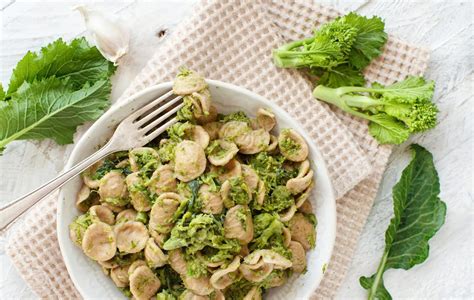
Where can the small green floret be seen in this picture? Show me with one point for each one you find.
(235, 116)
(280, 199)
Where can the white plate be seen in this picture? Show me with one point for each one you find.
(87, 274)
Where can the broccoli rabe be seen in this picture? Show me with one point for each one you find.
(338, 51)
(394, 111)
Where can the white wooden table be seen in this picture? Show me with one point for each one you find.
(443, 27)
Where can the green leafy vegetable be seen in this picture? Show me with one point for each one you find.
(419, 214)
(338, 51)
(394, 111)
(52, 92)
(280, 199)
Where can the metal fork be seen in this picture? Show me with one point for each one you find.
(136, 130)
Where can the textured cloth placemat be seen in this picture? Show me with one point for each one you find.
(232, 41)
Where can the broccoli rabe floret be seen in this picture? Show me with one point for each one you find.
(394, 111)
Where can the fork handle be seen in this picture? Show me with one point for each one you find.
(14, 209)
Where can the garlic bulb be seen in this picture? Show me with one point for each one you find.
(110, 38)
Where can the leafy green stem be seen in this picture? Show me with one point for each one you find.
(378, 276)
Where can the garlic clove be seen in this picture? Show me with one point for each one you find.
(110, 37)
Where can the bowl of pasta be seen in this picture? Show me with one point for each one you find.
(232, 202)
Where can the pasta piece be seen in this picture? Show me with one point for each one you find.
(101, 213)
(302, 199)
(261, 192)
(114, 208)
(225, 277)
(190, 161)
(273, 145)
(238, 224)
(305, 207)
(139, 157)
(235, 191)
(135, 265)
(87, 176)
(253, 294)
(99, 242)
(109, 264)
(176, 261)
(302, 180)
(286, 215)
(292, 145)
(197, 134)
(250, 177)
(189, 295)
(113, 190)
(138, 195)
(144, 283)
(163, 180)
(86, 198)
(212, 129)
(159, 238)
(198, 285)
(302, 231)
(131, 236)
(286, 237)
(253, 141)
(266, 119)
(268, 257)
(220, 152)
(161, 215)
(119, 276)
(276, 279)
(211, 201)
(188, 82)
(126, 215)
(204, 118)
(232, 169)
(154, 256)
(232, 129)
(255, 272)
(298, 257)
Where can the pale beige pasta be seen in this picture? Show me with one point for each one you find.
(266, 119)
(197, 134)
(302, 198)
(163, 180)
(255, 272)
(126, 215)
(176, 261)
(102, 213)
(212, 129)
(135, 265)
(253, 294)
(232, 129)
(131, 236)
(99, 242)
(298, 257)
(198, 285)
(232, 169)
(190, 161)
(112, 189)
(224, 277)
(222, 153)
(143, 283)
(302, 181)
(287, 214)
(161, 214)
(154, 256)
(269, 257)
(86, 198)
(138, 196)
(302, 231)
(211, 201)
(292, 145)
(238, 224)
(188, 82)
(253, 141)
(140, 156)
(119, 276)
(273, 144)
(92, 183)
(260, 195)
(250, 177)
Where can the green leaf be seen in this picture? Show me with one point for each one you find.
(388, 130)
(51, 108)
(77, 61)
(369, 40)
(343, 75)
(2, 93)
(410, 90)
(418, 215)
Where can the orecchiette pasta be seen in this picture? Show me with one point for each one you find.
(131, 236)
(292, 145)
(266, 119)
(190, 161)
(143, 283)
(99, 242)
(217, 207)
